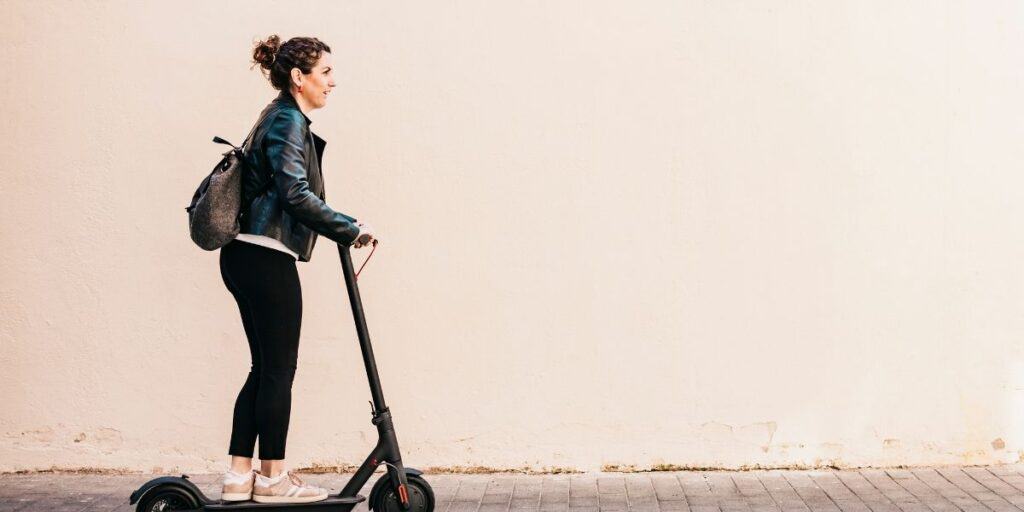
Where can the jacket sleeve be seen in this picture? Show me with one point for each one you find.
(284, 147)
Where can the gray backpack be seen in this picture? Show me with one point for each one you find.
(216, 204)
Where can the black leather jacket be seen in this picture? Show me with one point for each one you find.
(291, 208)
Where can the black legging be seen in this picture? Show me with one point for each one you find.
(265, 285)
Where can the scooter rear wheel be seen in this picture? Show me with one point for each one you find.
(167, 498)
(421, 497)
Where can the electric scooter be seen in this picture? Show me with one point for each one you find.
(400, 489)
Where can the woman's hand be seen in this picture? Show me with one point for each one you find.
(365, 237)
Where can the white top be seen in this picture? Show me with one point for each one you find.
(266, 241)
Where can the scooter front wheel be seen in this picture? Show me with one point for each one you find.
(421, 496)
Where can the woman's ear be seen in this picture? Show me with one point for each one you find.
(296, 77)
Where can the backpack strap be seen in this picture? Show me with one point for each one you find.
(245, 141)
(241, 154)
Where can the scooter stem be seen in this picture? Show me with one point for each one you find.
(364, 336)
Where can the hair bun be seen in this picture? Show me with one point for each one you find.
(264, 52)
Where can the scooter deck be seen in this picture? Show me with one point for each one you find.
(333, 503)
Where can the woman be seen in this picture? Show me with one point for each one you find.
(286, 211)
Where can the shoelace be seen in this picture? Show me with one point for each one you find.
(299, 482)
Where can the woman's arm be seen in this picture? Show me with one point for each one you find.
(285, 146)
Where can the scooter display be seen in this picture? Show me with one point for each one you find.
(400, 489)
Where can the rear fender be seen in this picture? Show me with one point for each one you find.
(181, 481)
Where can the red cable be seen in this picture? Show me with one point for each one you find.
(374, 248)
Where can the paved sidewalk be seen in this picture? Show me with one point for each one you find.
(938, 489)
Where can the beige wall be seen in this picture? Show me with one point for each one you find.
(613, 233)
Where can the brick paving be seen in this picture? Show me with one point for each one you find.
(935, 489)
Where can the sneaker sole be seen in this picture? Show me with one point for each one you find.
(236, 496)
(288, 499)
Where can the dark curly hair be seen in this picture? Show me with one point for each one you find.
(276, 60)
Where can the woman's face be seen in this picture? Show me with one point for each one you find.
(317, 84)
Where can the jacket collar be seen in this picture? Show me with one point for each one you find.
(286, 98)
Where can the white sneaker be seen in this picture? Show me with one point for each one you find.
(238, 486)
(285, 488)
